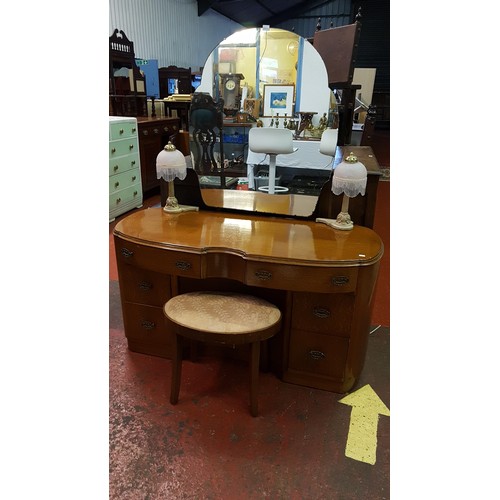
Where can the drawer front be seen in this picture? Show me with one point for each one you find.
(157, 259)
(122, 130)
(302, 278)
(124, 163)
(144, 287)
(330, 314)
(154, 130)
(131, 195)
(313, 353)
(146, 324)
(124, 180)
(123, 147)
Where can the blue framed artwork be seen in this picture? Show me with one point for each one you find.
(278, 99)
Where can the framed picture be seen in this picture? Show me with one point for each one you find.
(278, 99)
(252, 107)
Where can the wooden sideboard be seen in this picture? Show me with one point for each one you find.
(322, 280)
(154, 134)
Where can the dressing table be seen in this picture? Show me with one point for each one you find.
(322, 280)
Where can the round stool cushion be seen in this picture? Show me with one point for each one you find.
(222, 312)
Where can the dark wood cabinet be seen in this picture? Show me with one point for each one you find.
(154, 134)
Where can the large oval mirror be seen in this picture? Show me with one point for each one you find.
(271, 78)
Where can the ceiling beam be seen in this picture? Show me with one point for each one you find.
(204, 5)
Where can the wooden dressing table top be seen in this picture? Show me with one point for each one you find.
(253, 237)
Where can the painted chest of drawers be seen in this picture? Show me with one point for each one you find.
(125, 186)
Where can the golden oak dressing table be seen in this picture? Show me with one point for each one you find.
(321, 279)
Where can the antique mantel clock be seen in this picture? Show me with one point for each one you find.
(231, 88)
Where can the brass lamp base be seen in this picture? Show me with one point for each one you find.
(342, 222)
(172, 206)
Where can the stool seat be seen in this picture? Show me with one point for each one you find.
(224, 318)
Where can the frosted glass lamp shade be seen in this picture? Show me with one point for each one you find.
(170, 164)
(328, 144)
(350, 177)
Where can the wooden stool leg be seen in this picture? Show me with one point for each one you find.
(254, 377)
(176, 368)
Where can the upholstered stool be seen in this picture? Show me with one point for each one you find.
(221, 318)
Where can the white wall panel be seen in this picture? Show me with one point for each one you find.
(170, 30)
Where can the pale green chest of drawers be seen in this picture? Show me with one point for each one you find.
(125, 186)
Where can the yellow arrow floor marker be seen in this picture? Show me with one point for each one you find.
(362, 438)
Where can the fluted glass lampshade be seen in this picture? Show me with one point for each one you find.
(171, 164)
(349, 178)
(328, 144)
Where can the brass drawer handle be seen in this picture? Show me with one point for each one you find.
(155, 130)
(118, 200)
(321, 312)
(148, 325)
(182, 265)
(263, 275)
(121, 131)
(133, 130)
(317, 355)
(127, 253)
(145, 285)
(134, 178)
(115, 168)
(340, 280)
(145, 132)
(132, 162)
(131, 146)
(117, 184)
(113, 150)
(135, 193)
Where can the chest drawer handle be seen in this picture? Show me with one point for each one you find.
(132, 162)
(145, 285)
(127, 253)
(145, 132)
(115, 168)
(113, 150)
(317, 355)
(118, 200)
(321, 312)
(131, 146)
(121, 131)
(134, 178)
(156, 131)
(148, 325)
(117, 184)
(182, 265)
(263, 275)
(340, 280)
(133, 130)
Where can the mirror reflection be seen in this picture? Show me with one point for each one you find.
(262, 78)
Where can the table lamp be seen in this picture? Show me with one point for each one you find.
(271, 141)
(171, 164)
(349, 179)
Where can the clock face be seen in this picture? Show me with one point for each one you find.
(230, 85)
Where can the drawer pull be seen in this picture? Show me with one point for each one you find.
(117, 184)
(182, 265)
(118, 200)
(321, 312)
(135, 193)
(155, 130)
(263, 275)
(134, 178)
(127, 253)
(131, 146)
(148, 325)
(145, 285)
(121, 131)
(317, 355)
(113, 150)
(133, 130)
(132, 162)
(115, 168)
(145, 132)
(340, 280)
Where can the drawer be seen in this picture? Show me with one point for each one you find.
(158, 259)
(146, 324)
(124, 180)
(123, 147)
(313, 353)
(130, 195)
(124, 163)
(122, 130)
(330, 314)
(144, 287)
(302, 278)
(158, 129)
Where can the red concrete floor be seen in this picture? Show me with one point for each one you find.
(209, 447)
